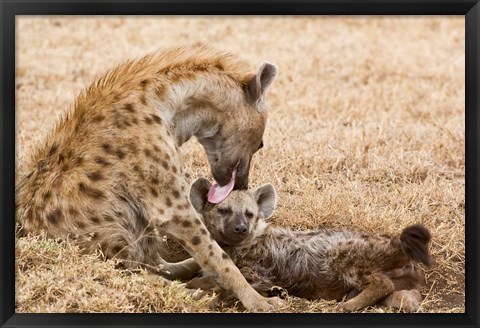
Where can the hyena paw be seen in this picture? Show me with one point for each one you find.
(196, 294)
(405, 300)
(411, 306)
(263, 304)
(276, 302)
(349, 306)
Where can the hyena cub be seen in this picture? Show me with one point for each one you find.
(331, 264)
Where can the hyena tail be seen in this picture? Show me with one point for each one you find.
(414, 241)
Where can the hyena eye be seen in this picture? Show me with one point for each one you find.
(249, 214)
(224, 211)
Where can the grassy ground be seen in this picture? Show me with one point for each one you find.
(366, 131)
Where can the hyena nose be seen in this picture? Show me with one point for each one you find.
(240, 228)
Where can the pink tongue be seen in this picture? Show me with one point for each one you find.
(216, 194)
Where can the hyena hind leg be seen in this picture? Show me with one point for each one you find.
(132, 254)
(376, 287)
(183, 271)
(206, 283)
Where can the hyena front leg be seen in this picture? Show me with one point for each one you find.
(190, 231)
(375, 287)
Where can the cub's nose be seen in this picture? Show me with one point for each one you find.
(240, 229)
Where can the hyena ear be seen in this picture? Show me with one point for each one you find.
(266, 198)
(199, 194)
(260, 82)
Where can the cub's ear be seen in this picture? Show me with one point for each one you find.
(260, 82)
(199, 194)
(266, 198)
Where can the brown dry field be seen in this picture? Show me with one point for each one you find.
(366, 131)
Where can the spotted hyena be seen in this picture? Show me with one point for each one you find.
(326, 263)
(110, 174)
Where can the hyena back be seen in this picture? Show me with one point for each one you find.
(110, 174)
(325, 263)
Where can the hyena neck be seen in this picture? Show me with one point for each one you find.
(188, 108)
(193, 121)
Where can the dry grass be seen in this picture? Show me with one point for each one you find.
(366, 131)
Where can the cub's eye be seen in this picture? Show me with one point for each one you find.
(249, 214)
(224, 211)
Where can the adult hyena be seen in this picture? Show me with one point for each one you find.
(110, 173)
(326, 263)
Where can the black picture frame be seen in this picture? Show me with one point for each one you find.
(9, 9)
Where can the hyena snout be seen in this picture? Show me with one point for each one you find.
(240, 229)
(222, 171)
(241, 182)
(237, 229)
